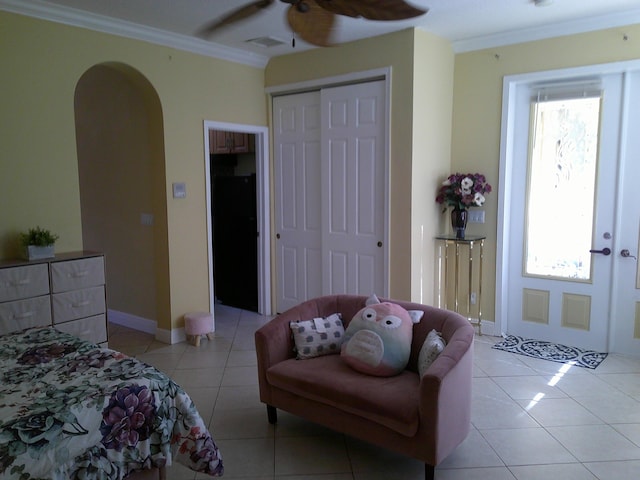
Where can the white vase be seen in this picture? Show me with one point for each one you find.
(34, 252)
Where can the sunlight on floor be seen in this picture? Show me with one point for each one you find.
(531, 418)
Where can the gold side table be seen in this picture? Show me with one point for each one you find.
(451, 261)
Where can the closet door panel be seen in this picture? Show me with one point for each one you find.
(366, 272)
(353, 146)
(338, 188)
(330, 192)
(297, 190)
(366, 197)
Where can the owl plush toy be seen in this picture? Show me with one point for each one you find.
(378, 338)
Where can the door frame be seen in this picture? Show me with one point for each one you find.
(383, 74)
(262, 208)
(507, 134)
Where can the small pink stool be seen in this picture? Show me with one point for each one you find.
(197, 324)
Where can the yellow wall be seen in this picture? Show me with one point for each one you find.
(433, 97)
(414, 112)
(477, 105)
(42, 63)
(114, 135)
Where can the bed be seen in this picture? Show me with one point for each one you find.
(72, 410)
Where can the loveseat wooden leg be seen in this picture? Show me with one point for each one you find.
(272, 414)
(429, 472)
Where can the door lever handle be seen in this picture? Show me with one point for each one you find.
(604, 251)
(626, 254)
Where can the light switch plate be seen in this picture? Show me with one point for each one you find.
(476, 216)
(146, 219)
(179, 190)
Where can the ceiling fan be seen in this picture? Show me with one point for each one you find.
(313, 20)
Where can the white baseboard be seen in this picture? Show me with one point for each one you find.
(148, 326)
(132, 321)
(176, 335)
(489, 328)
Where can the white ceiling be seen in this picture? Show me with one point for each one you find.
(468, 24)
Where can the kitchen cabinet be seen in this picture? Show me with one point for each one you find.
(221, 142)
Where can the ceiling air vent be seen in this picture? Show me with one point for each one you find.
(266, 41)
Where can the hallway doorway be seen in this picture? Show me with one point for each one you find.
(234, 218)
(121, 170)
(236, 164)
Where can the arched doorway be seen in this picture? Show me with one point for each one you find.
(119, 137)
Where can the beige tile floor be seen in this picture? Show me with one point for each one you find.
(532, 419)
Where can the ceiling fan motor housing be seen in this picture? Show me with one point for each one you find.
(314, 20)
(301, 5)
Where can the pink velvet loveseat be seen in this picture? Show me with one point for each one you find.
(424, 418)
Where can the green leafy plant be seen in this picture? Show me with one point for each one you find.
(37, 236)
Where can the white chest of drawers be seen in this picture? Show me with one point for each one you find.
(24, 297)
(66, 292)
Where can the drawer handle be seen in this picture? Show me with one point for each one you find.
(20, 316)
(81, 304)
(84, 273)
(21, 283)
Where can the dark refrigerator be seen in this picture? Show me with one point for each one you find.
(235, 241)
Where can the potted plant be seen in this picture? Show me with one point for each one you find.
(38, 243)
(462, 191)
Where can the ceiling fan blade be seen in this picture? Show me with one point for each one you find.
(372, 9)
(236, 15)
(312, 24)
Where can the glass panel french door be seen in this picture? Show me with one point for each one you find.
(563, 199)
(625, 312)
(562, 174)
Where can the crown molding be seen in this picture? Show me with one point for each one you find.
(122, 28)
(74, 17)
(571, 27)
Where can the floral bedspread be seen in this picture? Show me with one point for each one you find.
(71, 410)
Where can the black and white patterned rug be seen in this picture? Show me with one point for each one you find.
(551, 351)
